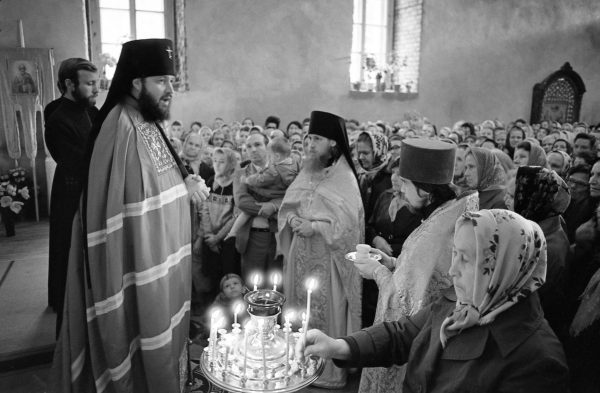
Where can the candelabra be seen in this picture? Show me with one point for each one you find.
(260, 357)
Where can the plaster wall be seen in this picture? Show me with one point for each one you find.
(480, 59)
(58, 24)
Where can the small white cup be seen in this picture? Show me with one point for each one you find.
(363, 250)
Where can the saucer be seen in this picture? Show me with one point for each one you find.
(352, 256)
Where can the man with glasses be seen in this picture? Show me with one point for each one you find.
(395, 143)
(580, 209)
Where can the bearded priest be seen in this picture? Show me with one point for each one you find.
(320, 220)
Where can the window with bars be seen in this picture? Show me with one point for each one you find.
(386, 44)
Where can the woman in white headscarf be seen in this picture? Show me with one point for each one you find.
(488, 334)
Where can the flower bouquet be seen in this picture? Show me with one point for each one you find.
(13, 195)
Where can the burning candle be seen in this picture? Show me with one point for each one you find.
(311, 284)
(236, 310)
(275, 277)
(215, 321)
(256, 280)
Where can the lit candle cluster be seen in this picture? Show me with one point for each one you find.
(261, 355)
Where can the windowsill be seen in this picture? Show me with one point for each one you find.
(386, 95)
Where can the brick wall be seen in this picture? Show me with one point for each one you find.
(408, 15)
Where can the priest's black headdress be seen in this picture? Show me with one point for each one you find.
(139, 59)
(332, 127)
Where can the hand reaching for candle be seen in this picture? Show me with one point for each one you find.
(320, 344)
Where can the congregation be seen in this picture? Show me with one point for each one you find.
(548, 173)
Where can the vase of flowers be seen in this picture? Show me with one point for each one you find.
(13, 195)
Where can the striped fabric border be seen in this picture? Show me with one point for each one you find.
(146, 344)
(137, 278)
(151, 343)
(77, 365)
(136, 209)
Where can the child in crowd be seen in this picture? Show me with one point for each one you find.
(277, 176)
(232, 291)
(217, 255)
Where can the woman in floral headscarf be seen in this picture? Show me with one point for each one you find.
(560, 162)
(487, 334)
(484, 173)
(542, 196)
(374, 178)
(373, 174)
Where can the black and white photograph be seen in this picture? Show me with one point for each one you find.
(277, 196)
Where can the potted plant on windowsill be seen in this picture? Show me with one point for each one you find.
(13, 195)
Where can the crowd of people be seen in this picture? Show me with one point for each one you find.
(487, 235)
(548, 173)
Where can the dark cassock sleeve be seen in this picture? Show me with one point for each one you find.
(66, 143)
(384, 344)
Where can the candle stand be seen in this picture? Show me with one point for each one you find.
(260, 357)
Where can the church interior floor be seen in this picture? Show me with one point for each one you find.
(27, 324)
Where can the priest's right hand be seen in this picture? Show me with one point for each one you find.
(319, 344)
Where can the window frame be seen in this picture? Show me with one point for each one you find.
(95, 32)
(394, 10)
(390, 28)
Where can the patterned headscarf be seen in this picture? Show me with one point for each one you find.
(510, 264)
(540, 193)
(490, 174)
(537, 155)
(380, 145)
(566, 162)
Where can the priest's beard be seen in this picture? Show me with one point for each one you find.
(150, 107)
(313, 163)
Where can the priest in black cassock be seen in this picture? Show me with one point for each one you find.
(67, 134)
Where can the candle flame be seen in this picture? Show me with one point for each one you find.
(289, 315)
(303, 316)
(216, 313)
(275, 277)
(219, 322)
(311, 284)
(256, 279)
(238, 308)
